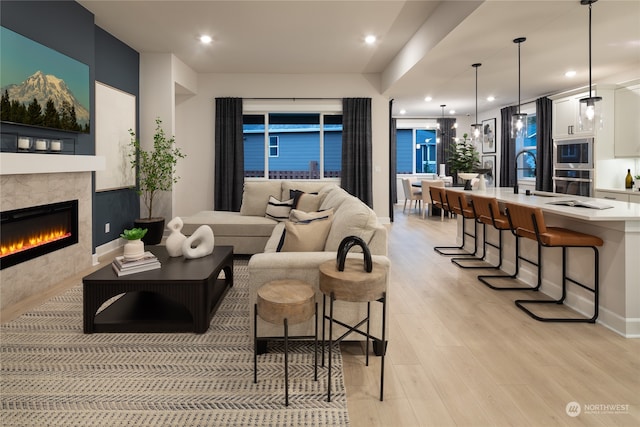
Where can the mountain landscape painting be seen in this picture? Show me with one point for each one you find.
(42, 87)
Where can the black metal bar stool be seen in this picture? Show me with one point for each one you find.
(488, 212)
(440, 199)
(529, 223)
(353, 284)
(285, 302)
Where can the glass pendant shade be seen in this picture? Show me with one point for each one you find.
(518, 125)
(590, 117)
(476, 132)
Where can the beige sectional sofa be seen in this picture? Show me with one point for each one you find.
(251, 232)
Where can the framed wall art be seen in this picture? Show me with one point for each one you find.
(489, 162)
(42, 87)
(489, 136)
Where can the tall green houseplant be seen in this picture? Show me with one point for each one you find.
(155, 172)
(155, 168)
(463, 157)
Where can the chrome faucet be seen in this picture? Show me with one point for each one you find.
(535, 165)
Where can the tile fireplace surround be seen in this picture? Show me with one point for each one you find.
(21, 189)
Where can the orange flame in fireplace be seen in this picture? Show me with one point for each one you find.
(32, 241)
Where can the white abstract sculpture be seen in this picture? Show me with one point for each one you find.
(199, 244)
(176, 238)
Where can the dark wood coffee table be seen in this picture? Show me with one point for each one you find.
(181, 296)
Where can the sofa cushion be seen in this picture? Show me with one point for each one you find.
(334, 198)
(352, 218)
(305, 236)
(225, 223)
(301, 216)
(256, 194)
(278, 210)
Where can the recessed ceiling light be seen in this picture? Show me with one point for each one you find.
(570, 73)
(491, 98)
(206, 39)
(370, 39)
(428, 99)
(403, 111)
(452, 111)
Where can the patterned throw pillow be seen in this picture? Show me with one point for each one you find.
(278, 210)
(307, 235)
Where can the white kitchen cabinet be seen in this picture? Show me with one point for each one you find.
(610, 195)
(622, 196)
(566, 112)
(627, 121)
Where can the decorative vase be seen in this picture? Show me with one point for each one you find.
(133, 250)
(199, 244)
(176, 238)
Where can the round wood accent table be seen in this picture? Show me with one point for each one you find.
(285, 302)
(353, 284)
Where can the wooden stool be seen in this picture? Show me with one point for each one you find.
(353, 285)
(286, 302)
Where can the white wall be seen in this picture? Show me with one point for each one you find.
(195, 119)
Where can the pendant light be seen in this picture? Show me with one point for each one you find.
(518, 120)
(476, 128)
(589, 107)
(441, 126)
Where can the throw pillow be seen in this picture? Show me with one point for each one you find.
(302, 216)
(307, 202)
(307, 236)
(278, 210)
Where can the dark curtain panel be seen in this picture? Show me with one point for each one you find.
(507, 149)
(229, 151)
(544, 162)
(356, 148)
(393, 192)
(447, 134)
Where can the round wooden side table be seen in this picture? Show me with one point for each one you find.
(353, 285)
(285, 302)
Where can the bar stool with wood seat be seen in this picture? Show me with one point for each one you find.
(347, 280)
(488, 212)
(459, 204)
(529, 223)
(285, 302)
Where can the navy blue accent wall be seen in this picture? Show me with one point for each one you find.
(69, 28)
(118, 66)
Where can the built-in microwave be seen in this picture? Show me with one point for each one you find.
(573, 154)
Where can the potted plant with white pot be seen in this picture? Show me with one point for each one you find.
(155, 172)
(134, 248)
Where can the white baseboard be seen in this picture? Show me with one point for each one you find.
(106, 248)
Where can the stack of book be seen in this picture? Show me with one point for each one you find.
(122, 266)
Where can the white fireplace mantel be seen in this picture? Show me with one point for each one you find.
(27, 163)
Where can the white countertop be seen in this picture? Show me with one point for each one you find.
(620, 211)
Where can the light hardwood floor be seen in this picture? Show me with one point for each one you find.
(463, 354)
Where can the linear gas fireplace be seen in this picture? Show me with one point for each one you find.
(32, 232)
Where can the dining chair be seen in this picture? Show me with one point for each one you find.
(410, 195)
(426, 195)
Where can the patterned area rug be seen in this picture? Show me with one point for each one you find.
(54, 375)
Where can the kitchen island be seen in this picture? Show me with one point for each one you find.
(618, 226)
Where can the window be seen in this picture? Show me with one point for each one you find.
(292, 145)
(415, 149)
(273, 146)
(527, 162)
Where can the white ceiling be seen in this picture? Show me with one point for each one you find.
(423, 48)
